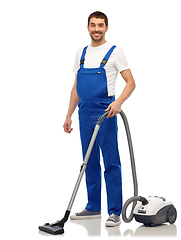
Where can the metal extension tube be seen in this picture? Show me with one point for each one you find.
(83, 167)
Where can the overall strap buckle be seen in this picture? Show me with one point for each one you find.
(82, 59)
(105, 59)
(104, 62)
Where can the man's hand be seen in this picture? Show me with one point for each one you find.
(67, 125)
(115, 108)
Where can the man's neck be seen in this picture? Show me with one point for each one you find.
(97, 43)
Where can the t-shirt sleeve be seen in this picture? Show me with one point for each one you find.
(77, 60)
(121, 62)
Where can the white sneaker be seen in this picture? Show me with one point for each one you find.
(85, 214)
(113, 220)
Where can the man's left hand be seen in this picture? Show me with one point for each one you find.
(115, 108)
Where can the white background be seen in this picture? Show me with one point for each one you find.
(39, 162)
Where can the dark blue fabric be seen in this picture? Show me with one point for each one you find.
(91, 83)
(94, 99)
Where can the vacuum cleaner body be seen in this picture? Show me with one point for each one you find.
(157, 211)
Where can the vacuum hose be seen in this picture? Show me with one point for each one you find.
(133, 167)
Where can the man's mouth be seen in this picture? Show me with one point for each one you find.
(96, 34)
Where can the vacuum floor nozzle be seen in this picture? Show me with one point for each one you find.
(52, 229)
(57, 227)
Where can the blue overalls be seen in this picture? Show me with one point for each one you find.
(94, 99)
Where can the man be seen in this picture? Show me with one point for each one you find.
(96, 68)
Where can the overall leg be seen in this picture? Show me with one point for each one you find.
(109, 146)
(93, 170)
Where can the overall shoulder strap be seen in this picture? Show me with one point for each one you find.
(105, 59)
(82, 59)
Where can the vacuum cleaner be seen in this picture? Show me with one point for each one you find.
(151, 211)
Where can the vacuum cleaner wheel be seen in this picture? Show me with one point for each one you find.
(171, 215)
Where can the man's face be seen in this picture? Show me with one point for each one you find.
(97, 29)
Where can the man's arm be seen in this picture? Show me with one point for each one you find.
(74, 99)
(115, 107)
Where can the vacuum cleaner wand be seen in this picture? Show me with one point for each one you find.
(57, 227)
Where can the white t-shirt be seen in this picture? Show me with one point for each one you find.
(94, 56)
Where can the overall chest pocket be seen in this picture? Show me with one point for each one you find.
(91, 83)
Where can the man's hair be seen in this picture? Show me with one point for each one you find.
(98, 14)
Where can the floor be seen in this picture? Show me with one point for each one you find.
(32, 196)
(96, 228)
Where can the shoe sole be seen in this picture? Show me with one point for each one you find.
(74, 217)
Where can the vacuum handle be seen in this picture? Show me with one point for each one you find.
(101, 118)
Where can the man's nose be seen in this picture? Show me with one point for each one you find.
(97, 28)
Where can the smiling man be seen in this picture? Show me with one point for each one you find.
(97, 29)
(96, 68)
